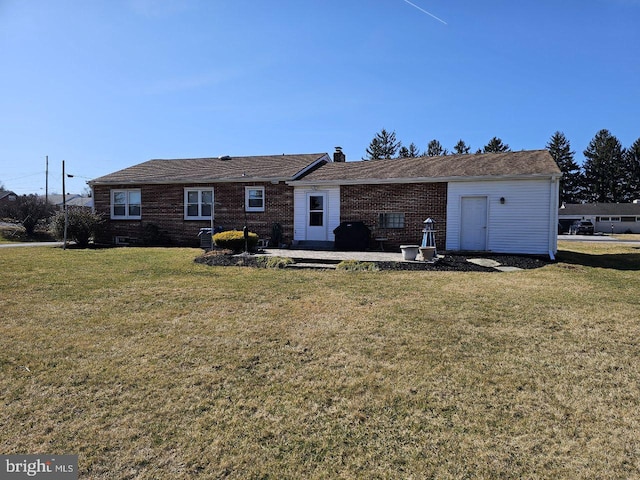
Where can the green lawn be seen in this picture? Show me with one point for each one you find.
(148, 365)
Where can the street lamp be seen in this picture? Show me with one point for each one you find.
(64, 207)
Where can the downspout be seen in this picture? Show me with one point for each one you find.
(553, 216)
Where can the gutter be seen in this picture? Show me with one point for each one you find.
(387, 181)
(199, 181)
(554, 192)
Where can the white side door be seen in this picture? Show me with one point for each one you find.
(473, 228)
(316, 216)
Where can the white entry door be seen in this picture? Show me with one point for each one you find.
(473, 231)
(316, 216)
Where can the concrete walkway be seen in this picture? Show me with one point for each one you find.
(331, 255)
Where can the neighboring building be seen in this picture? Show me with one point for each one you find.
(7, 197)
(72, 200)
(606, 217)
(505, 202)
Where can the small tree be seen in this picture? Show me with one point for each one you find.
(461, 148)
(495, 145)
(383, 145)
(82, 225)
(435, 149)
(410, 152)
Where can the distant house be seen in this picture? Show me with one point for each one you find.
(505, 202)
(7, 197)
(72, 200)
(606, 217)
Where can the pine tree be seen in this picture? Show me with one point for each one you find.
(572, 180)
(605, 178)
(495, 145)
(383, 145)
(632, 166)
(434, 149)
(410, 152)
(461, 148)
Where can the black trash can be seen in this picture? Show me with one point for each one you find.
(352, 236)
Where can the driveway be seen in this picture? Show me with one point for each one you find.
(596, 238)
(31, 244)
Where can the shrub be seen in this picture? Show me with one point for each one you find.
(28, 210)
(234, 240)
(152, 236)
(82, 225)
(357, 266)
(273, 262)
(13, 232)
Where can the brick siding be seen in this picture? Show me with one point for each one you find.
(417, 201)
(163, 206)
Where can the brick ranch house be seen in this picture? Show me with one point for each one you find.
(502, 202)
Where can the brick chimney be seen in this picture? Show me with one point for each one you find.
(338, 156)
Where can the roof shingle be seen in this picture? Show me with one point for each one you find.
(200, 170)
(524, 163)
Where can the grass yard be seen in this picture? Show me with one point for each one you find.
(149, 366)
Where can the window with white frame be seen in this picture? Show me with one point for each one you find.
(198, 203)
(126, 204)
(254, 199)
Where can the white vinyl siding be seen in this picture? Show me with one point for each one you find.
(519, 225)
(332, 211)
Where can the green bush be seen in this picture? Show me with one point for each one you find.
(82, 225)
(357, 266)
(273, 262)
(152, 236)
(234, 240)
(28, 210)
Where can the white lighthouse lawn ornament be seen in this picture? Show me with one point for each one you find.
(428, 247)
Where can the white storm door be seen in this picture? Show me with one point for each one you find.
(316, 216)
(473, 228)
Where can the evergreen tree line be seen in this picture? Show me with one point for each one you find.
(609, 174)
(385, 146)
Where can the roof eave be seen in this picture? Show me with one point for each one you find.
(387, 181)
(191, 181)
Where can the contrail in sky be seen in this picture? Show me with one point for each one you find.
(424, 11)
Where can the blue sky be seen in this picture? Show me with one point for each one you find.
(108, 84)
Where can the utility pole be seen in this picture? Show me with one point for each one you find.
(64, 209)
(46, 182)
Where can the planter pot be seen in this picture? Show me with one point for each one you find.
(427, 253)
(409, 252)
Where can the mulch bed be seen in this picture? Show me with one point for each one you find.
(451, 263)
